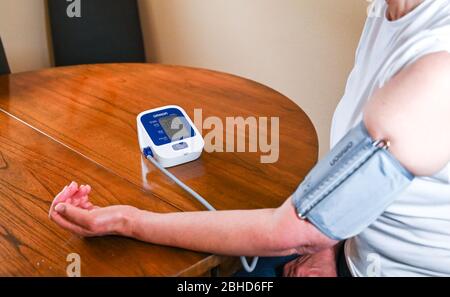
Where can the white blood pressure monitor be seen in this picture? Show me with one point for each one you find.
(170, 134)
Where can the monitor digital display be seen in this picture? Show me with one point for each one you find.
(176, 127)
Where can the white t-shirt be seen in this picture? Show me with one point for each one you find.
(412, 237)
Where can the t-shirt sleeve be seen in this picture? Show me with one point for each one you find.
(428, 41)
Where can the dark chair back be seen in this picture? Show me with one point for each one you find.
(108, 31)
(4, 66)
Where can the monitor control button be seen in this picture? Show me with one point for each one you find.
(180, 146)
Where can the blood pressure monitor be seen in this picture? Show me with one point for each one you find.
(170, 134)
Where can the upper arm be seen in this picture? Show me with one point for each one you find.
(412, 111)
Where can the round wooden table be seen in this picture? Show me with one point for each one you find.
(79, 123)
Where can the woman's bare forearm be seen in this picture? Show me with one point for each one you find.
(241, 232)
(265, 232)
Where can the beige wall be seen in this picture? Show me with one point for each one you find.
(302, 48)
(24, 33)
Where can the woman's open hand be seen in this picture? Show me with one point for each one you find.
(72, 210)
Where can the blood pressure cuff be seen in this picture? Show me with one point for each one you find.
(352, 186)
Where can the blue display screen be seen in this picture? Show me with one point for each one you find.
(166, 126)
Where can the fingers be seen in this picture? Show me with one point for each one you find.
(71, 209)
(75, 215)
(89, 206)
(82, 192)
(65, 224)
(57, 198)
(288, 269)
(294, 268)
(72, 194)
(71, 189)
(81, 198)
(67, 192)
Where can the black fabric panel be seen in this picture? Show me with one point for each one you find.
(342, 267)
(4, 66)
(108, 31)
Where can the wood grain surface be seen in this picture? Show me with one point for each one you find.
(79, 123)
(33, 169)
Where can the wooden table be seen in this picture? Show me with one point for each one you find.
(79, 123)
